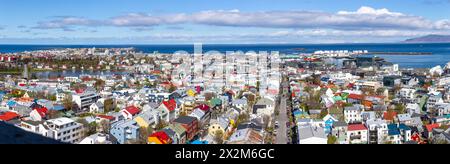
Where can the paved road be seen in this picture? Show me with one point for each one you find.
(282, 119)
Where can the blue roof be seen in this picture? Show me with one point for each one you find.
(404, 127)
(58, 107)
(392, 126)
(393, 132)
(297, 112)
(11, 103)
(198, 142)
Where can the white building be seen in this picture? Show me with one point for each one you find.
(85, 99)
(413, 108)
(62, 129)
(97, 108)
(357, 134)
(98, 138)
(311, 134)
(353, 114)
(407, 93)
(378, 131)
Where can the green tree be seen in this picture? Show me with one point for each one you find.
(400, 108)
(52, 97)
(89, 128)
(172, 88)
(331, 139)
(323, 113)
(108, 105)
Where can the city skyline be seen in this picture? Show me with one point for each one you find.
(179, 22)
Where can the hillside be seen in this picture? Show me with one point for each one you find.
(430, 39)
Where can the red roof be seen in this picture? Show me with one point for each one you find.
(161, 136)
(430, 127)
(106, 117)
(368, 104)
(171, 104)
(7, 116)
(415, 137)
(198, 89)
(132, 110)
(390, 115)
(203, 107)
(86, 78)
(79, 91)
(355, 96)
(156, 72)
(355, 127)
(42, 111)
(350, 85)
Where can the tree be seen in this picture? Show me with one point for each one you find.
(172, 88)
(144, 133)
(52, 97)
(277, 112)
(67, 102)
(108, 105)
(105, 126)
(332, 139)
(162, 124)
(89, 128)
(218, 136)
(266, 121)
(258, 85)
(92, 128)
(323, 113)
(117, 109)
(244, 117)
(52, 114)
(400, 108)
(99, 84)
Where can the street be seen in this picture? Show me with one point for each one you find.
(282, 118)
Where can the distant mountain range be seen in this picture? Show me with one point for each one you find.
(430, 39)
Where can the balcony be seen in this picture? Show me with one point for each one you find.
(355, 137)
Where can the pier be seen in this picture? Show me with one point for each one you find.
(401, 53)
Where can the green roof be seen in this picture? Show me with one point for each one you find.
(177, 128)
(423, 101)
(215, 102)
(337, 98)
(345, 95)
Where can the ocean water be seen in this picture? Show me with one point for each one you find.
(440, 51)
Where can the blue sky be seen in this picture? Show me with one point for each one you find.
(219, 21)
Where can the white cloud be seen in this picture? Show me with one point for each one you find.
(365, 10)
(136, 19)
(363, 25)
(354, 33)
(66, 23)
(364, 18)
